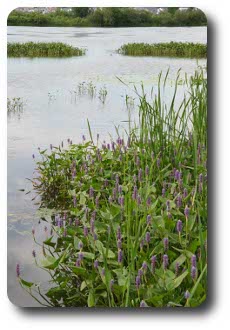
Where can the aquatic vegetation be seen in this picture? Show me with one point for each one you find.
(125, 220)
(42, 49)
(102, 94)
(174, 49)
(15, 106)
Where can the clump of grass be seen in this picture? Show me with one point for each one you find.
(172, 49)
(103, 94)
(128, 221)
(15, 105)
(42, 49)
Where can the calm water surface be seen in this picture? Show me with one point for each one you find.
(52, 113)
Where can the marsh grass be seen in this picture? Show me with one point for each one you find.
(171, 49)
(15, 106)
(42, 49)
(128, 216)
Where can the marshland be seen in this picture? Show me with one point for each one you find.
(107, 186)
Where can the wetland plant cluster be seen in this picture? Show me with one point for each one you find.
(15, 106)
(42, 49)
(175, 49)
(89, 89)
(128, 225)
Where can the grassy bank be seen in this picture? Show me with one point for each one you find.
(174, 49)
(42, 49)
(125, 221)
(109, 17)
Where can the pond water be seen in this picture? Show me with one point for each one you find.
(52, 111)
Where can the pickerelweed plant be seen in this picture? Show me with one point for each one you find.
(129, 217)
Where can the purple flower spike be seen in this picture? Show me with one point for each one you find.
(18, 272)
(120, 256)
(163, 192)
(179, 226)
(81, 256)
(166, 243)
(158, 162)
(148, 202)
(80, 245)
(193, 272)
(144, 266)
(96, 263)
(167, 205)
(95, 236)
(135, 193)
(78, 263)
(147, 237)
(138, 282)
(119, 233)
(165, 261)
(140, 175)
(143, 304)
(179, 201)
(83, 137)
(193, 260)
(85, 231)
(148, 219)
(147, 170)
(201, 178)
(185, 194)
(153, 263)
(138, 200)
(119, 244)
(33, 156)
(122, 201)
(91, 192)
(140, 272)
(186, 211)
(187, 295)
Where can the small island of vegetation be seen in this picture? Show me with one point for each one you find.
(176, 49)
(42, 49)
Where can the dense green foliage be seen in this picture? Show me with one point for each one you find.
(42, 49)
(126, 221)
(110, 17)
(177, 49)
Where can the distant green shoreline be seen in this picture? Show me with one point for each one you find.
(109, 17)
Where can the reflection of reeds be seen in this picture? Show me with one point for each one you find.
(42, 49)
(174, 49)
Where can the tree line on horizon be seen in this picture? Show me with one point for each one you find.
(109, 17)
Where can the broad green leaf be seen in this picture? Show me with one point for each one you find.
(177, 281)
(25, 283)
